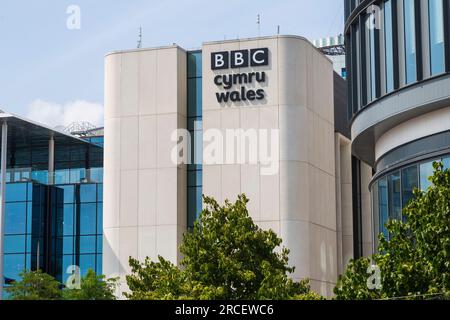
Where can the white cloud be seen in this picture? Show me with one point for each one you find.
(53, 114)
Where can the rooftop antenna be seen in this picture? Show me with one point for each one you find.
(278, 30)
(139, 43)
(258, 22)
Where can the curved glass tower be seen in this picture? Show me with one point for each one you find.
(398, 61)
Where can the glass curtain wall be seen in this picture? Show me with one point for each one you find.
(393, 192)
(402, 34)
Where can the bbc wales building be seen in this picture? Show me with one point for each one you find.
(265, 117)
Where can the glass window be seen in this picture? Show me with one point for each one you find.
(77, 175)
(88, 193)
(88, 218)
(410, 41)
(436, 25)
(426, 171)
(372, 87)
(62, 265)
(69, 193)
(99, 264)
(389, 46)
(64, 245)
(40, 176)
(194, 64)
(100, 192)
(410, 181)
(383, 200)
(194, 178)
(99, 218)
(88, 244)
(87, 261)
(15, 218)
(376, 213)
(395, 204)
(62, 176)
(99, 141)
(14, 265)
(446, 163)
(195, 97)
(68, 221)
(16, 192)
(15, 244)
(194, 204)
(99, 244)
(96, 175)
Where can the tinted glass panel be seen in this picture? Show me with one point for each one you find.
(395, 205)
(446, 163)
(88, 193)
(87, 261)
(388, 35)
(68, 221)
(15, 218)
(436, 24)
(410, 181)
(14, 264)
(88, 219)
(15, 244)
(383, 200)
(16, 192)
(69, 193)
(88, 244)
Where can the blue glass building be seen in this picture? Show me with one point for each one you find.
(53, 201)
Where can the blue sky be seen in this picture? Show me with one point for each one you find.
(55, 75)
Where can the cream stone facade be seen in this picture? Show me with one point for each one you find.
(144, 193)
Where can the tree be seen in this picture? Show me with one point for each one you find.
(35, 285)
(415, 261)
(93, 287)
(226, 256)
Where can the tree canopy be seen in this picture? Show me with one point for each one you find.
(37, 285)
(226, 256)
(415, 261)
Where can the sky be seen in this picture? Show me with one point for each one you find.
(52, 64)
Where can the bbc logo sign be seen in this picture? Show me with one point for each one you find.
(239, 59)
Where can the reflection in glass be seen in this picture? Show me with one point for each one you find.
(15, 218)
(372, 58)
(410, 181)
(15, 244)
(14, 265)
(426, 171)
(395, 205)
(87, 261)
(87, 244)
(383, 200)
(436, 25)
(410, 41)
(389, 45)
(88, 193)
(88, 219)
(376, 213)
(446, 163)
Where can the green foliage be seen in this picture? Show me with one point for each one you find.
(35, 285)
(93, 287)
(226, 256)
(415, 261)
